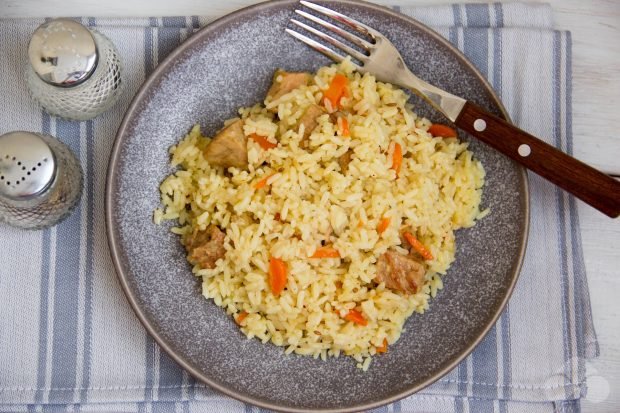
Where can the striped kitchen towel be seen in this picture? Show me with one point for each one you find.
(69, 340)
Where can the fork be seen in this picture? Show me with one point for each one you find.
(381, 59)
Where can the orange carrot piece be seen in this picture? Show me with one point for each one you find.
(326, 252)
(277, 275)
(263, 142)
(383, 225)
(383, 347)
(261, 184)
(397, 158)
(417, 245)
(360, 224)
(336, 90)
(345, 126)
(356, 317)
(240, 317)
(441, 131)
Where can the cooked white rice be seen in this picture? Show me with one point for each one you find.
(437, 191)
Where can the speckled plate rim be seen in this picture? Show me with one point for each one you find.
(113, 235)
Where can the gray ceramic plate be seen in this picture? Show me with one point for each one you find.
(229, 64)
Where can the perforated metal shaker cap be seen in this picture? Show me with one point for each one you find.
(63, 53)
(27, 166)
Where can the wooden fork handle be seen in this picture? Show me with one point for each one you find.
(586, 183)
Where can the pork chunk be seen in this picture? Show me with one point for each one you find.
(309, 119)
(400, 272)
(344, 160)
(285, 82)
(229, 147)
(204, 248)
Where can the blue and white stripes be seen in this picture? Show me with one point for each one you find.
(70, 342)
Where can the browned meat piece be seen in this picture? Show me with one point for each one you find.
(344, 160)
(204, 248)
(400, 272)
(229, 147)
(285, 82)
(308, 119)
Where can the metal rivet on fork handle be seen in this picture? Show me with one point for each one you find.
(524, 150)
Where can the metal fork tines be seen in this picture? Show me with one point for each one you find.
(347, 21)
(376, 54)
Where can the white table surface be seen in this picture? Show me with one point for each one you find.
(595, 25)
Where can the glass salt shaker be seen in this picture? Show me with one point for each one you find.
(40, 180)
(74, 72)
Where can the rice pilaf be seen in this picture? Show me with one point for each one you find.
(368, 180)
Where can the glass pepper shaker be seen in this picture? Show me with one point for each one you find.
(74, 72)
(40, 180)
